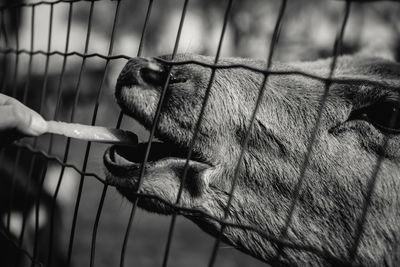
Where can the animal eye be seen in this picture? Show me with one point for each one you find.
(384, 115)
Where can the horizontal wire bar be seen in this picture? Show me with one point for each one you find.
(20, 5)
(120, 117)
(213, 66)
(283, 242)
(180, 210)
(279, 72)
(297, 192)
(260, 95)
(57, 159)
(59, 53)
(3, 233)
(187, 211)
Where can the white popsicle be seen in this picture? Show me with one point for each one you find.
(92, 133)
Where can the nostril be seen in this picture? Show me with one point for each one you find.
(126, 78)
(153, 76)
(176, 79)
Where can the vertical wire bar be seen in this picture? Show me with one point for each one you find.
(25, 95)
(132, 213)
(68, 144)
(60, 80)
(96, 225)
(158, 110)
(297, 189)
(4, 63)
(274, 41)
(81, 181)
(368, 198)
(12, 189)
(195, 133)
(67, 147)
(144, 28)
(27, 83)
(14, 79)
(41, 105)
(42, 96)
(155, 121)
(51, 139)
(100, 208)
(14, 94)
(370, 190)
(3, 32)
(37, 207)
(25, 91)
(139, 53)
(46, 68)
(2, 28)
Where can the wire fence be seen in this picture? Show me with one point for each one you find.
(10, 79)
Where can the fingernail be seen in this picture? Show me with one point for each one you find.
(38, 124)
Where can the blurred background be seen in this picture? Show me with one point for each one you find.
(53, 84)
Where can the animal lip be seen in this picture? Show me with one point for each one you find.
(121, 157)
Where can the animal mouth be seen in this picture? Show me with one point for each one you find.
(119, 158)
(167, 159)
(164, 169)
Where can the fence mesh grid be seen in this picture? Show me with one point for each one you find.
(10, 77)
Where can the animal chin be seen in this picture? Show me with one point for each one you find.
(162, 174)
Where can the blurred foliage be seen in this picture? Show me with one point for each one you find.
(308, 32)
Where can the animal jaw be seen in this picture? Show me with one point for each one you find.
(342, 161)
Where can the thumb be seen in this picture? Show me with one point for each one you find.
(22, 119)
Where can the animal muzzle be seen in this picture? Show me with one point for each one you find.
(147, 72)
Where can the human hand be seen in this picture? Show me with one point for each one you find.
(17, 120)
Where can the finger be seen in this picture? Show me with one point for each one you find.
(7, 100)
(22, 119)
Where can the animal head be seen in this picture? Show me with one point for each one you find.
(354, 124)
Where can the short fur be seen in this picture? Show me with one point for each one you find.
(342, 162)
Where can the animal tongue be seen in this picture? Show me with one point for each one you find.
(158, 150)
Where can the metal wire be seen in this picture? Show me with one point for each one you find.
(196, 131)
(14, 94)
(281, 241)
(154, 126)
(56, 159)
(321, 252)
(78, 197)
(103, 195)
(66, 151)
(25, 97)
(313, 136)
(41, 105)
(132, 213)
(4, 35)
(341, 80)
(19, 248)
(274, 42)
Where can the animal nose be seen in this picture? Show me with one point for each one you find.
(148, 71)
(139, 71)
(154, 74)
